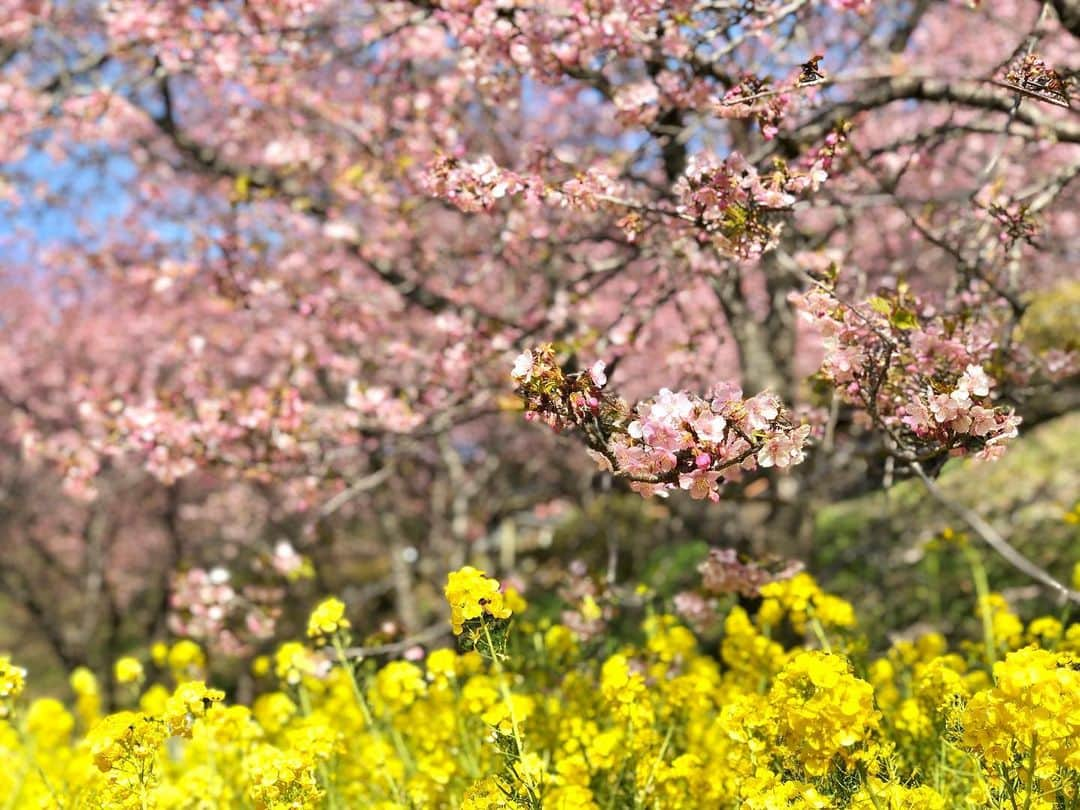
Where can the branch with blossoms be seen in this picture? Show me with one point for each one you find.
(752, 89)
(675, 440)
(726, 201)
(918, 375)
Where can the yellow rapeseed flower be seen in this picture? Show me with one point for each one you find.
(128, 670)
(186, 659)
(12, 682)
(472, 594)
(822, 711)
(327, 619)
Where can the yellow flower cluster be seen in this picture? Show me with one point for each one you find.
(489, 794)
(128, 670)
(293, 663)
(822, 715)
(12, 682)
(1029, 721)
(281, 780)
(327, 619)
(472, 595)
(185, 659)
(651, 719)
(801, 601)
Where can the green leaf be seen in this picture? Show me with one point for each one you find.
(904, 319)
(880, 305)
(241, 188)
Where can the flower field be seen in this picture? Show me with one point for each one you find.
(516, 405)
(528, 713)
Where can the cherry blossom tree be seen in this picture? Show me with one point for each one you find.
(268, 265)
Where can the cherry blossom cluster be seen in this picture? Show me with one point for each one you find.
(587, 191)
(732, 201)
(638, 102)
(552, 40)
(675, 440)
(548, 40)
(817, 163)
(756, 95)
(254, 432)
(723, 573)
(77, 461)
(1017, 223)
(860, 6)
(920, 375)
(174, 441)
(22, 114)
(203, 602)
(472, 186)
(208, 605)
(289, 563)
(479, 184)
(727, 198)
(212, 39)
(378, 402)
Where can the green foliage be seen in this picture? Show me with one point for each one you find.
(1052, 319)
(873, 548)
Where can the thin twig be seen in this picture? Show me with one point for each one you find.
(421, 637)
(368, 482)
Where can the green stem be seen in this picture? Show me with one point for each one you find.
(819, 633)
(982, 591)
(1065, 613)
(369, 717)
(1009, 787)
(1031, 771)
(866, 782)
(324, 774)
(504, 690)
(933, 562)
(659, 758)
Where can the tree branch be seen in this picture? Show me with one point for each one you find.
(993, 537)
(210, 161)
(979, 95)
(424, 636)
